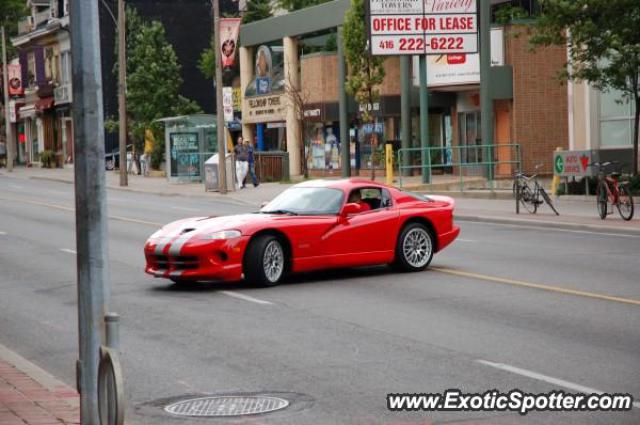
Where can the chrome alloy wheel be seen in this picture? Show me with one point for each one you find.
(273, 261)
(416, 247)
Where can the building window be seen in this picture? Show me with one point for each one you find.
(65, 67)
(616, 120)
(31, 69)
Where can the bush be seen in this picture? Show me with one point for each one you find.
(577, 187)
(47, 158)
(634, 184)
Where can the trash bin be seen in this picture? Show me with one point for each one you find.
(211, 173)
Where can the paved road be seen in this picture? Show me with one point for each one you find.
(334, 343)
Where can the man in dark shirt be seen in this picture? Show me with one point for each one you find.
(242, 158)
(252, 167)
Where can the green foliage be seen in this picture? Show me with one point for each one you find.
(365, 72)
(292, 5)
(257, 10)
(10, 13)
(603, 44)
(332, 43)
(207, 63)
(505, 13)
(153, 83)
(47, 158)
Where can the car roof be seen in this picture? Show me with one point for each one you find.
(343, 184)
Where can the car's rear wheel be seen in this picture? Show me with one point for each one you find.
(414, 249)
(264, 261)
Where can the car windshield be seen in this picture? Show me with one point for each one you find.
(307, 201)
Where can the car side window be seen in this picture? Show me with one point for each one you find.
(386, 199)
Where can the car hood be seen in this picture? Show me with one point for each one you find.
(245, 223)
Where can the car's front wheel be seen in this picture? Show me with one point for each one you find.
(414, 249)
(264, 261)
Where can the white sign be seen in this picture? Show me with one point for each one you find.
(456, 69)
(13, 113)
(227, 103)
(431, 27)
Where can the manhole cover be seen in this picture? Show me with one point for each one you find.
(226, 406)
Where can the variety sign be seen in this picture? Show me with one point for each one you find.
(410, 27)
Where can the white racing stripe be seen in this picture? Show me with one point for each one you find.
(68, 251)
(245, 298)
(547, 379)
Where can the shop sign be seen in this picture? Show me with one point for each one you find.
(13, 111)
(415, 27)
(237, 99)
(573, 163)
(262, 109)
(229, 29)
(15, 80)
(184, 149)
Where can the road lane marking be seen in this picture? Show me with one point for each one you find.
(68, 251)
(184, 209)
(465, 240)
(545, 378)
(558, 229)
(70, 209)
(550, 288)
(3, 233)
(245, 297)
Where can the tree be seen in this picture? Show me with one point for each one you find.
(603, 41)
(292, 5)
(365, 72)
(257, 10)
(153, 83)
(10, 13)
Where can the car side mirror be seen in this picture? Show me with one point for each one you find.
(350, 208)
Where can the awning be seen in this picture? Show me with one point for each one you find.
(44, 103)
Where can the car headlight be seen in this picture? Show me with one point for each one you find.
(225, 234)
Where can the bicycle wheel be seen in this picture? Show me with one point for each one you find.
(625, 203)
(601, 200)
(547, 199)
(527, 199)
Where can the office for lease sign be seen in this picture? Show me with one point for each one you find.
(414, 27)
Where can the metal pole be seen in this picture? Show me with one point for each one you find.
(486, 103)
(90, 196)
(405, 112)
(424, 121)
(112, 326)
(222, 157)
(342, 108)
(122, 101)
(7, 123)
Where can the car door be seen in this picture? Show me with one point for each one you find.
(364, 238)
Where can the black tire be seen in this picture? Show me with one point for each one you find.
(254, 266)
(547, 199)
(404, 261)
(527, 199)
(625, 203)
(601, 200)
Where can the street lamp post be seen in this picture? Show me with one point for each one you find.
(122, 102)
(7, 123)
(222, 157)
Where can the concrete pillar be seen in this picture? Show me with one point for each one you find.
(292, 80)
(246, 74)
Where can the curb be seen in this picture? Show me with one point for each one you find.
(549, 224)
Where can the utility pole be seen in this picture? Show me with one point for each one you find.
(122, 101)
(486, 103)
(90, 197)
(5, 88)
(222, 157)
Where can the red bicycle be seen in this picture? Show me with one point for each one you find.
(611, 190)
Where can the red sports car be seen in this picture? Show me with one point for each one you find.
(313, 225)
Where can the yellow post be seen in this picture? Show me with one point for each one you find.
(556, 178)
(389, 162)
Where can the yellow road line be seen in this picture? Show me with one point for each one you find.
(70, 209)
(540, 286)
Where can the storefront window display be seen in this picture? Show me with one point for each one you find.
(371, 140)
(323, 148)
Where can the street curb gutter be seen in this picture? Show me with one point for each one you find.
(548, 224)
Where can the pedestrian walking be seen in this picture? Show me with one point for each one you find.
(251, 162)
(242, 164)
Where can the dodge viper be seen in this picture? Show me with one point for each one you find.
(313, 225)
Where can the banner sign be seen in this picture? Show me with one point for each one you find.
(229, 29)
(416, 27)
(227, 103)
(15, 79)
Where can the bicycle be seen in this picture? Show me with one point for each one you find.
(611, 190)
(528, 192)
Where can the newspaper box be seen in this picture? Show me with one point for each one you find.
(211, 173)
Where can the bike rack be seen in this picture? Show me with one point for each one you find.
(110, 383)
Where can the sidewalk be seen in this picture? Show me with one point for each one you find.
(30, 396)
(576, 212)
